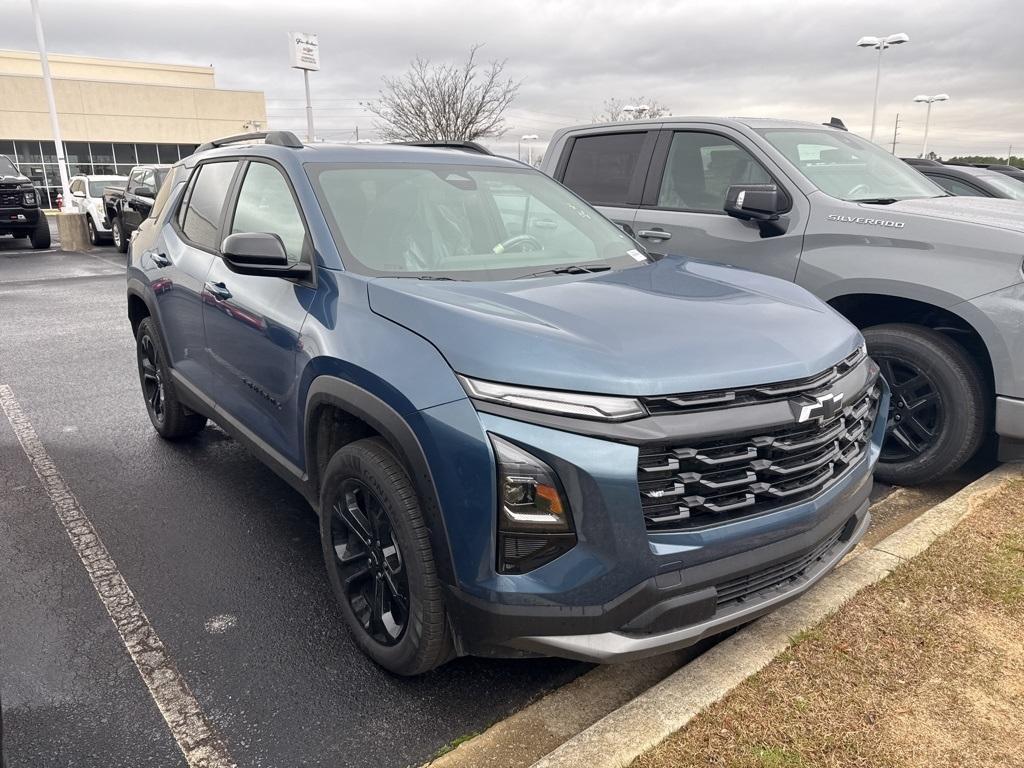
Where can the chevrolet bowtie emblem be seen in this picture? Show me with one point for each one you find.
(825, 407)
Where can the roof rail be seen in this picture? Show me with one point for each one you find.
(277, 138)
(465, 146)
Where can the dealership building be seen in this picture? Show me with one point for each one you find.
(113, 114)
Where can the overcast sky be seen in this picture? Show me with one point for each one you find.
(791, 58)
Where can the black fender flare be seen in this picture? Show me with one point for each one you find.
(389, 424)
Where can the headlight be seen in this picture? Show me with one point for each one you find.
(29, 197)
(534, 522)
(602, 407)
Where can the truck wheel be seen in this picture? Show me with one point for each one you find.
(379, 559)
(94, 236)
(937, 414)
(40, 236)
(170, 418)
(117, 232)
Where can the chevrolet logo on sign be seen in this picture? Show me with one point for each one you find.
(825, 407)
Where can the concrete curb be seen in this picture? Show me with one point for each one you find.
(623, 735)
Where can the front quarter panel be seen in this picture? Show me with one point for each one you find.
(851, 248)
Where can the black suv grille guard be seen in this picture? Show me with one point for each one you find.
(726, 398)
(718, 480)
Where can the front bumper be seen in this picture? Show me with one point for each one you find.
(621, 646)
(18, 219)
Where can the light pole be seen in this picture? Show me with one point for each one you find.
(54, 122)
(929, 100)
(880, 44)
(529, 147)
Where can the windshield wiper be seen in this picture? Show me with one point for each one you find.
(876, 200)
(571, 269)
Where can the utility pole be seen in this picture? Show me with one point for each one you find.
(58, 143)
(1009, 155)
(357, 134)
(895, 132)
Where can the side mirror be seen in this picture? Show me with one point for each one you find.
(78, 193)
(145, 192)
(754, 202)
(260, 254)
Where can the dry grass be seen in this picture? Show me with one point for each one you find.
(923, 670)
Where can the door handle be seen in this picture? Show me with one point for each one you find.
(654, 234)
(218, 290)
(160, 260)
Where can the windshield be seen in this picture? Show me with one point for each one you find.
(1009, 186)
(96, 187)
(463, 222)
(848, 167)
(7, 167)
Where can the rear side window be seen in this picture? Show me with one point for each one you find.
(200, 216)
(601, 169)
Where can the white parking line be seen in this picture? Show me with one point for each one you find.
(196, 736)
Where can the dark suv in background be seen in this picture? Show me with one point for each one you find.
(933, 281)
(20, 215)
(522, 434)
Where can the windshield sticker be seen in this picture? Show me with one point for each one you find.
(862, 220)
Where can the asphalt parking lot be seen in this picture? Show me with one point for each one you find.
(222, 556)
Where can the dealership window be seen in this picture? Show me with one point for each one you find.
(38, 160)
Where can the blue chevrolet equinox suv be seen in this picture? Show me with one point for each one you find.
(523, 434)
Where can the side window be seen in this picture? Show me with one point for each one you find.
(700, 169)
(265, 204)
(955, 187)
(200, 217)
(148, 180)
(77, 186)
(601, 168)
(163, 194)
(135, 180)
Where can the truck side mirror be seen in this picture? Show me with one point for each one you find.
(145, 192)
(754, 202)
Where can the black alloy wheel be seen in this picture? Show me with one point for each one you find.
(171, 419)
(152, 379)
(370, 563)
(916, 410)
(94, 237)
(940, 404)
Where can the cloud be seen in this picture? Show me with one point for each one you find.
(793, 59)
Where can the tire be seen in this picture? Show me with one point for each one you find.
(170, 418)
(40, 236)
(937, 417)
(117, 233)
(94, 236)
(389, 556)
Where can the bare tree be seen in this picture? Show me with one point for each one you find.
(444, 102)
(615, 110)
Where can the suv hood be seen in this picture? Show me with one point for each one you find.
(989, 212)
(669, 327)
(16, 179)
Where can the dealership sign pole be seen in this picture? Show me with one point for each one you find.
(305, 50)
(54, 122)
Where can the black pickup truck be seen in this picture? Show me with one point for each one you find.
(20, 214)
(127, 206)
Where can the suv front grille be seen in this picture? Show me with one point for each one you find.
(722, 479)
(10, 199)
(727, 398)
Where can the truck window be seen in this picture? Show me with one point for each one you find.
(700, 169)
(601, 168)
(958, 188)
(200, 215)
